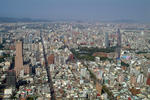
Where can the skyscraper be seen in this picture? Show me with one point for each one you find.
(30, 38)
(1, 39)
(118, 38)
(118, 43)
(11, 78)
(19, 60)
(106, 40)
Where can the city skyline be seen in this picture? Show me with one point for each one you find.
(74, 50)
(64, 60)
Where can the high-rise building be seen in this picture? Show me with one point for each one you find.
(11, 78)
(19, 60)
(1, 39)
(118, 38)
(30, 38)
(118, 49)
(106, 40)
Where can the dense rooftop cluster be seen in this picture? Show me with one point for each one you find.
(75, 61)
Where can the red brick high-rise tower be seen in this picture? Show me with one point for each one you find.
(19, 60)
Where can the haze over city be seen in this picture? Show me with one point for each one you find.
(93, 10)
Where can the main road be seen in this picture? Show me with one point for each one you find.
(48, 70)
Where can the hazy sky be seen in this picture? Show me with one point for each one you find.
(77, 9)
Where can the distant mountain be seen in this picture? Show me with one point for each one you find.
(12, 20)
(125, 21)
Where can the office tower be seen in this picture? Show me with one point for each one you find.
(1, 39)
(19, 60)
(118, 49)
(25, 40)
(118, 38)
(30, 38)
(106, 40)
(11, 78)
